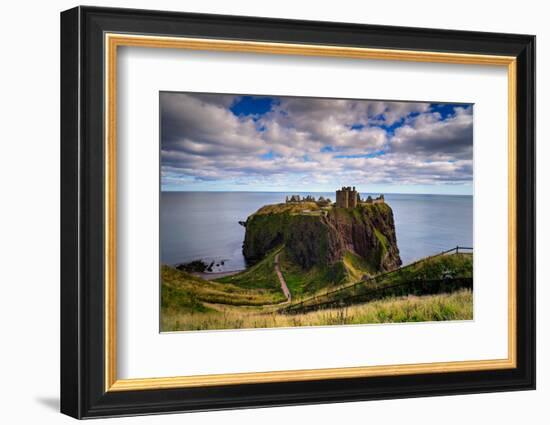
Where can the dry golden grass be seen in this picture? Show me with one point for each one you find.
(455, 306)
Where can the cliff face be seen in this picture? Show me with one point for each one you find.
(312, 237)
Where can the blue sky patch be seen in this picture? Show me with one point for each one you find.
(252, 105)
(446, 109)
(268, 156)
(390, 129)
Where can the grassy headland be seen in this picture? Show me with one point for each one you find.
(341, 266)
(253, 298)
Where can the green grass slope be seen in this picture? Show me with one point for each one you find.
(299, 281)
(183, 291)
(424, 277)
(260, 276)
(304, 282)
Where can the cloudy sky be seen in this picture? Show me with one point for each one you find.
(259, 143)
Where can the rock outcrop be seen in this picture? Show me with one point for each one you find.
(315, 236)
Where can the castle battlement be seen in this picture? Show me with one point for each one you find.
(347, 197)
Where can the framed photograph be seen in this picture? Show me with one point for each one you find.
(261, 212)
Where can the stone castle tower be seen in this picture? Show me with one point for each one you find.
(346, 197)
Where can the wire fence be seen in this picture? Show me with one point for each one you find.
(366, 290)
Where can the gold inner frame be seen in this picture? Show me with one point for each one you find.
(113, 41)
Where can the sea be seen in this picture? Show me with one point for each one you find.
(205, 225)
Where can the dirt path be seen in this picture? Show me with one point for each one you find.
(287, 293)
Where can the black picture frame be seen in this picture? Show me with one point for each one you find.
(83, 392)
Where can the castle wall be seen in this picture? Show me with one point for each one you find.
(342, 198)
(348, 197)
(352, 201)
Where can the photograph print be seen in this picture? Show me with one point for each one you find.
(283, 211)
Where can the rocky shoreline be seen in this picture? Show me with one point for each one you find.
(202, 266)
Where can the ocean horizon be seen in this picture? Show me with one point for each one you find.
(204, 225)
(289, 192)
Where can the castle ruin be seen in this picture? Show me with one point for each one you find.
(297, 199)
(379, 200)
(347, 197)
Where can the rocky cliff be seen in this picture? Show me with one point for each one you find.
(312, 236)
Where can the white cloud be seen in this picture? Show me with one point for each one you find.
(429, 135)
(313, 141)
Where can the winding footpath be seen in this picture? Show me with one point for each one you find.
(284, 287)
